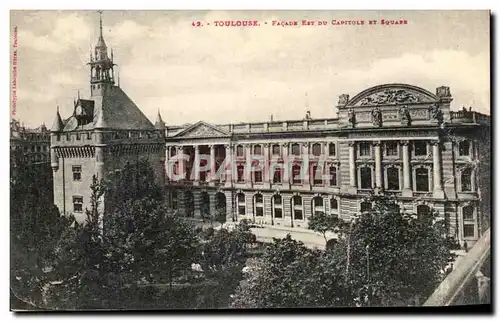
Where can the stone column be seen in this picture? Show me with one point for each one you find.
(407, 192)
(181, 163)
(196, 165)
(288, 169)
(352, 166)
(436, 157)
(212, 164)
(265, 168)
(248, 166)
(378, 168)
(307, 179)
(229, 157)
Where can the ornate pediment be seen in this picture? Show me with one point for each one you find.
(201, 130)
(392, 95)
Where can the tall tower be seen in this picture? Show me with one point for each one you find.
(102, 76)
(103, 134)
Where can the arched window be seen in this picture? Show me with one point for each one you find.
(422, 179)
(239, 151)
(258, 204)
(333, 176)
(464, 148)
(331, 149)
(316, 149)
(318, 205)
(366, 206)
(276, 150)
(277, 206)
(466, 180)
(423, 211)
(296, 149)
(334, 204)
(468, 213)
(257, 150)
(240, 202)
(297, 208)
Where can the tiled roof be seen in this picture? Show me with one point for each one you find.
(115, 110)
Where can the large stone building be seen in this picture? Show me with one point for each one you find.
(29, 145)
(104, 133)
(395, 139)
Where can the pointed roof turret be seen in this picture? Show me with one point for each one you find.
(100, 41)
(58, 125)
(159, 124)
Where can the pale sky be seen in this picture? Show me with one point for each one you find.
(230, 74)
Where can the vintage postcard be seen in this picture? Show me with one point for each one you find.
(166, 160)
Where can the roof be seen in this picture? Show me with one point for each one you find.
(114, 110)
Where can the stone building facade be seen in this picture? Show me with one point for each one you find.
(30, 145)
(396, 140)
(105, 131)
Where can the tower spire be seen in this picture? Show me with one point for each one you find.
(100, 23)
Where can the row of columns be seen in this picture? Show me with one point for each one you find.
(407, 191)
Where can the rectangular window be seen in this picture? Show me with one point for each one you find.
(420, 148)
(239, 151)
(89, 136)
(392, 179)
(366, 177)
(276, 149)
(258, 176)
(297, 214)
(364, 149)
(241, 198)
(333, 176)
(296, 149)
(296, 175)
(77, 173)
(78, 136)
(278, 213)
(241, 171)
(77, 204)
(422, 179)
(259, 211)
(464, 148)
(469, 230)
(316, 149)
(316, 172)
(391, 149)
(241, 209)
(331, 149)
(58, 137)
(277, 176)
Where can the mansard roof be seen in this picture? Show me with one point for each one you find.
(114, 110)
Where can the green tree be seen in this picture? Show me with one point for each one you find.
(291, 275)
(35, 227)
(394, 258)
(323, 223)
